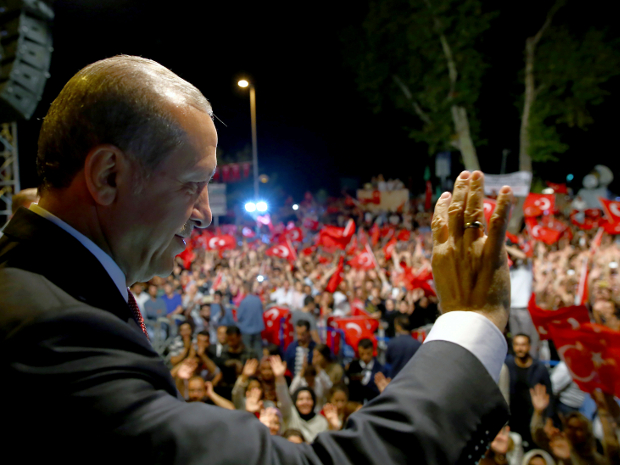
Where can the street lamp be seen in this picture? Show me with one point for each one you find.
(244, 83)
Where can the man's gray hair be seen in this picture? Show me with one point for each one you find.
(124, 101)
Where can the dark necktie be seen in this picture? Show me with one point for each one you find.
(133, 306)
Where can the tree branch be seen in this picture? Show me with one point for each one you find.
(416, 107)
(447, 51)
(550, 14)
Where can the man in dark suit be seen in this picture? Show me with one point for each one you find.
(361, 373)
(125, 154)
(401, 347)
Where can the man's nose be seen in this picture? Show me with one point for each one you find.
(201, 215)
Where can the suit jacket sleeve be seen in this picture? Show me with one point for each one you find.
(109, 392)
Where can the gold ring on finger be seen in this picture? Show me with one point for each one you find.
(474, 224)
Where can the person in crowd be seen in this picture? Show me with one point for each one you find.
(250, 320)
(301, 349)
(173, 301)
(221, 314)
(248, 379)
(569, 398)
(360, 373)
(307, 314)
(294, 435)
(141, 297)
(322, 359)
(154, 307)
(402, 347)
(525, 373)
(505, 449)
(575, 445)
(298, 410)
(221, 339)
(202, 318)
(182, 346)
(207, 368)
(520, 292)
(538, 457)
(200, 390)
(271, 417)
(314, 377)
(283, 295)
(338, 397)
(125, 155)
(232, 360)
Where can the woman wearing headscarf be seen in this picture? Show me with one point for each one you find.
(298, 409)
(537, 457)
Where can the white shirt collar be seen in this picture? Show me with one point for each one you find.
(106, 261)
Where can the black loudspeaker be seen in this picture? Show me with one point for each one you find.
(25, 55)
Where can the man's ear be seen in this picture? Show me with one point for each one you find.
(102, 167)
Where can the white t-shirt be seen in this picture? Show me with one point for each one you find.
(282, 297)
(520, 286)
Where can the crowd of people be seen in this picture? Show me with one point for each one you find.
(210, 315)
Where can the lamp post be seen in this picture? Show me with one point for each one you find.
(244, 83)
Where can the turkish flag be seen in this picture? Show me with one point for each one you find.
(489, 208)
(188, 256)
(352, 247)
(222, 242)
(356, 328)
(512, 237)
(226, 173)
(278, 327)
(537, 204)
(283, 250)
(611, 228)
(592, 354)
(294, 234)
(612, 209)
(308, 251)
(310, 224)
(247, 232)
(266, 220)
(388, 231)
(587, 224)
(389, 248)
(403, 235)
(337, 277)
(235, 172)
(363, 261)
(245, 168)
(558, 188)
(358, 309)
(421, 280)
(333, 236)
(375, 233)
(323, 260)
(540, 233)
(528, 248)
(202, 240)
(571, 317)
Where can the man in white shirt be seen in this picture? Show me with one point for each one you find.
(125, 155)
(283, 295)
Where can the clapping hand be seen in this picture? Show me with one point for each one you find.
(470, 268)
(381, 381)
(187, 369)
(540, 398)
(253, 403)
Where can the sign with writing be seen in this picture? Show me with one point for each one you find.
(519, 181)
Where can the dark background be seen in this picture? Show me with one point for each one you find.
(314, 128)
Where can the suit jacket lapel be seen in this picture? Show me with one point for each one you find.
(35, 244)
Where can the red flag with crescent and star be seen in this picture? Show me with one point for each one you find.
(538, 204)
(365, 260)
(278, 326)
(592, 354)
(337, 277)
(283, 250)
(570, 317)
(356, 328)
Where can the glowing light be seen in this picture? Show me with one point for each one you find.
(243, 83)
(261, 206)
(295, 207)
(260, 278)
(250, 207)
(570, 177)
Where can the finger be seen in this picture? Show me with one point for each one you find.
(474, 211)
(499, 223)
(456, 210)
(440, 219)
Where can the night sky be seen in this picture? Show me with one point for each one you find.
(313, 126)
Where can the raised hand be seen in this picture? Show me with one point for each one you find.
(381, 381)
(253, 403)
(209, 387)
(501, 443)
(560, 447)
(249, 369)
(267, 415)
(277, 366)
(540, 398)
(331, 413)
(187, 369)
(470, 268)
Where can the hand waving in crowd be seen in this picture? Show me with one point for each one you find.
(470, 267)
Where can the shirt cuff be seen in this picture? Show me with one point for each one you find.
(475, 333)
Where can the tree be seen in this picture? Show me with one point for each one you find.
(420, 56)
(565, 73)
